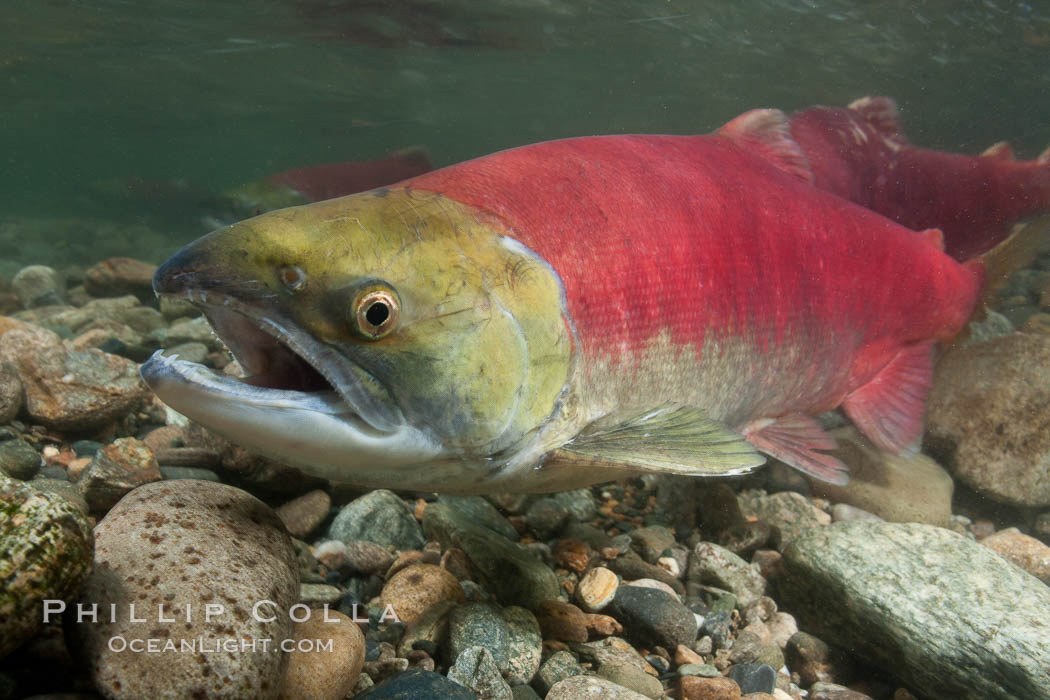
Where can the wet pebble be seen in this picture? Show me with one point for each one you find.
(651, 542)
(711, 564)
(39, 285)
(632, 567)
(356, 557)
(116, 277)
(19, 459)
(718, 626)
(700, 688)
(118, 468)
(11, 393)
(329, 673)
(791, 513)
(590, 688)
(556, 668)
(72, 390)
(833, 691)
(653, 617)
(45, 554)
(415, 588)
(632, 678)
(301, 515)
(814, 661)
(1023, 550)
(417, 684)
(984, 413)
(596, 589)
(173, 473)
(158, 547)
(379, 516)
(476, 669)
(524, 645)
(562, 621)
(482, 512)
(479, 625)
(505, 568)
(754, 678)
(546, 517)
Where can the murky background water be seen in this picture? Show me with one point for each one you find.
(123, 111)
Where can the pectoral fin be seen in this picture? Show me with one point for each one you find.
(668, 440)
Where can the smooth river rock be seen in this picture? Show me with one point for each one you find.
(987, 419)
(949, 617)
(180, 544)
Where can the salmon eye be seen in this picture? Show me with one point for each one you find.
(292, 277)
(375, 311)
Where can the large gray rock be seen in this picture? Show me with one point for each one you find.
(189, 543)
(45, 554)
(988, 422)
(379, 516)
(949, 617)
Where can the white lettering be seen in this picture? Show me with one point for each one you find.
(87, 611)
(53, 607)
(132, 617)
(213, 609)
(160, 615)
(256, 614)
(388, 612)
(303, 606)
(113, 644)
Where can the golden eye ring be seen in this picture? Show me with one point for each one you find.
(376, 311)
(292, 277)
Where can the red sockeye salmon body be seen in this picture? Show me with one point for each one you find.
(695, 251)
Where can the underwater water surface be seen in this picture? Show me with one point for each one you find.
(127, 111)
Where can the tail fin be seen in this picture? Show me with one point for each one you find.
(1016, 251)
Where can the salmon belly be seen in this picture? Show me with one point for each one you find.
(696, 271)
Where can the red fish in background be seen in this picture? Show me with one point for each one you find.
(860, 154)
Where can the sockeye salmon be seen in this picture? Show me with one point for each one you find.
(861, 154)
(570, 312)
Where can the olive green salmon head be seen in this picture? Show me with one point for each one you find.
(380, 330)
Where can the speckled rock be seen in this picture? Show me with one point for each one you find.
(898, 488)
(714, 565)
(355, 557)
(524, 645)
(72, 390)
(698, 688)
(987, 421)
(39, 285)
(323, 673)
(556, 668)
(417, 684)
(590, 688)
(119, 467)
(632, 678)
(19, 459)
(476, 670)
(301, 515)
(932, 607)
(45, 554)
(415, 588)
(792, 513)
(189, 543)
(506, 568)
(379, 516)
(479, 625)
(11, 393)
(653, 617)
(1027, 552)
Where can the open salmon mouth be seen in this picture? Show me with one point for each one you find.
(282, 364)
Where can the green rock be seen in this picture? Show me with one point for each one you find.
(46, 550)
(380, 517)
(632, 678)
(558, 666)
(478, 625)
(946, 615)
(477, 670)
(483, 512)
(792, 513)
(19, 460)
(506, 568)
(525, 644)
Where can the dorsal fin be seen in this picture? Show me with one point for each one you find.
(882, 114)
(1000, 150)
(935, 237)
(767, 132)
(1044, 157)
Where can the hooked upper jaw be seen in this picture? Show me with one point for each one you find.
(300, 400)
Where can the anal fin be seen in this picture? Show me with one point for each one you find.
(671, 439)
(888, 409)
(795, 439)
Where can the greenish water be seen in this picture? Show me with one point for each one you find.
(212, 94)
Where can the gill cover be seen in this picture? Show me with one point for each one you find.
(475, 350)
